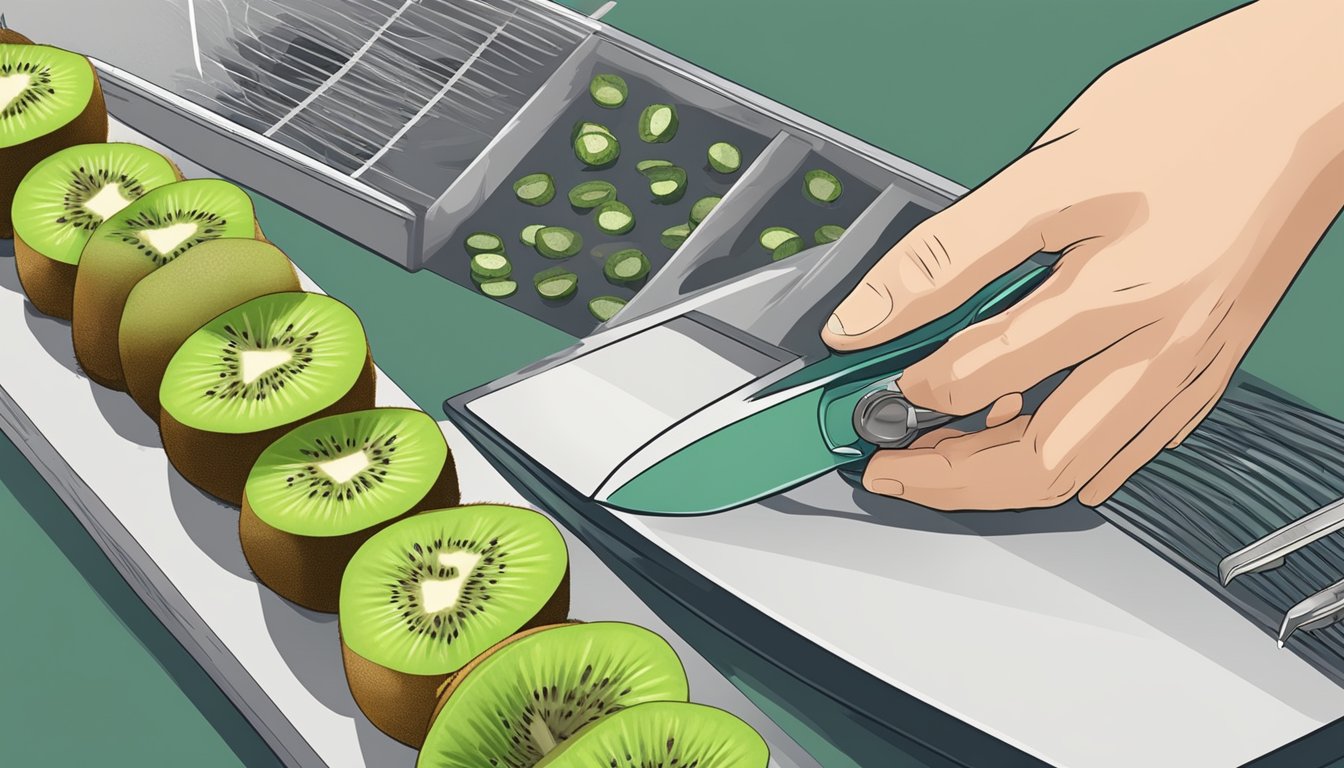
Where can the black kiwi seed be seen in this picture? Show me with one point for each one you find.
(83, 185)
(34, 93)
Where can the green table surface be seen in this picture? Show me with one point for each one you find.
(88, 676)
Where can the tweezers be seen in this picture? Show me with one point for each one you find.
(1270, 551)
(1319, 610)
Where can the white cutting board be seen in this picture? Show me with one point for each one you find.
(178, 549)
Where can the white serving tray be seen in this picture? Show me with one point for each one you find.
(178, 549)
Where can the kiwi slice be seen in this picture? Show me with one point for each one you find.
(140, 238)
(663, 734)
(252, 373)
(608, 91)
(788, 248)
(62, 200)
(603, 308)
(822, 186)
(170, 303)
(320, 491)
(50, 99)
(426, 595)
(520, 699)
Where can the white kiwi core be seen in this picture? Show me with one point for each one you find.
(440, 594)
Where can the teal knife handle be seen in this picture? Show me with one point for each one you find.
(874, 368)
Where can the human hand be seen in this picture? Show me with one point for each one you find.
(1185, 189)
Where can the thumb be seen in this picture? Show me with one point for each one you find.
(944, 260)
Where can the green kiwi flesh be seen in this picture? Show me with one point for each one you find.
(320, 491)
(62, 201)
(526, 697)
(253, 372)
(170, 303)
(145, 235)
(427, 594)
(663, 734)
(50, 99)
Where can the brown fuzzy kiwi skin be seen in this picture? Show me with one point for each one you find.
(10, 37)
(96, 318)
(403, 705)
(219, 463)
(307, 569)
(50, 284)
(89, 127)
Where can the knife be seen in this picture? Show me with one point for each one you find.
(829, 415)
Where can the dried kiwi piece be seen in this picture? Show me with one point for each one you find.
(644, 165)
(170, 303)
(674, 236)
(597, 149)
(614, 217)
(663, 733)
(788, 248)
(519, 700)
(828, 233)
(490, 266)
(535, 188)
(428, 594)
(322, 489)
(605, 307)
(701, 208)
(528, 235)
(724, 157)
(556, 283)
(50, 99)
(483, 242)
(558, 242)
(658, 123)
(627, 265)
(590, 194)
(145, 235)
(253, 373)
(499, 289)
(62, 201)
(772, 237)
(822, 186)
(667, 183)
(608, 91)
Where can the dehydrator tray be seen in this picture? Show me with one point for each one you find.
(178, 549)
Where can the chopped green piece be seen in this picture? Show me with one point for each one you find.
(789, 247)
(484, 242)
(644, 165)
(771, 237)
(558, 242)
(827, 233)
(667, 183)
(499, 289)
(608, 91)
(626, 266)
(658, 123)
(615, 217)
(491, 265)
(673, 237)
(597, 149)
(529, 234)
(556, 283)
(605, 307)
(586, 126)
(590, 194)
(822, 186)
(702, 207)
(724, 157)
(535, 188)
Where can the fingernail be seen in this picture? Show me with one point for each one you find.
(864, 310)
(887, 487)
